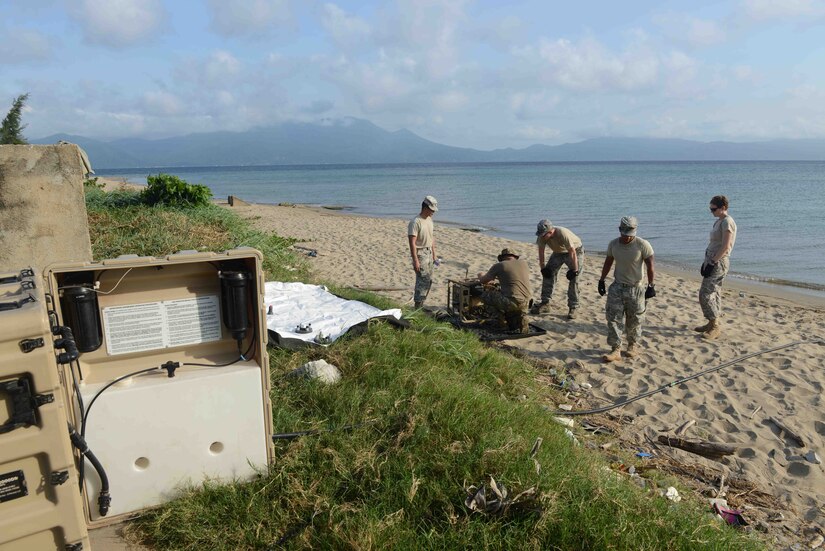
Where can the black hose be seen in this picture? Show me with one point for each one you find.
(103, 498)
(685, 379)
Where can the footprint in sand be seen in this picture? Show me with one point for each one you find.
(799, 469)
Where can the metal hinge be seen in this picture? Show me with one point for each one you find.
(27, 345)
(58, 477)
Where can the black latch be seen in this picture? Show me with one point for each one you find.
(15, 304)
(25, 272)
(27, 345)
(43, 399)
(23, 402)
(74, 546)
(27, 284)
(58, 477)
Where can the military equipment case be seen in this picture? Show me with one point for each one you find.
(151, 432)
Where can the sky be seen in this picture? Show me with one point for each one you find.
(482, 74)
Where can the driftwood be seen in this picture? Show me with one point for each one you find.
(784, 428)
(711, 450)
(683, 429)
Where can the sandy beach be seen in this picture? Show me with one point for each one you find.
(732, 405)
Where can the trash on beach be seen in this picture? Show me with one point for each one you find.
(731, 516)
(572, 437)
(493, 498)
(813, 457)
(565, 421)
(565, 407)
(643, 455)
(673, 495)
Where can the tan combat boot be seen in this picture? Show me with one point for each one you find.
(571, 315)
(703, 328)
(614, 356)
(714, 331)
(632, 350)
(540, 308)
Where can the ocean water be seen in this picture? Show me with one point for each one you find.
(779, 207)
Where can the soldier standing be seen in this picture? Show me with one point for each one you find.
(422, 248)
(566, 250)
(627, 296)
(715, 266)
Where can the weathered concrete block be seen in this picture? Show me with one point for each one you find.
(42, 206)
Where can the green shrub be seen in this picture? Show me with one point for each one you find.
(93, 183)
(169, 190)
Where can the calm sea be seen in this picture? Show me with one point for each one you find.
(779, 207)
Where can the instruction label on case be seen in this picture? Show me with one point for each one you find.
(12, 486)
(157, 325)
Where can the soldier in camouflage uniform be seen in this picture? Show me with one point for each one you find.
(627, 296)
(422, 248)
(715, 266)
(512, 300)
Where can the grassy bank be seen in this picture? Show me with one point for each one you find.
(433, 412)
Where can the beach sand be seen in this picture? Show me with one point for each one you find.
(732, 405)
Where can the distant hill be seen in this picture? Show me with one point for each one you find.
(357, 141)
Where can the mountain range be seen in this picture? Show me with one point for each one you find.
(357, 141)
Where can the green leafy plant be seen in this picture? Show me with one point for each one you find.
(11, 131)
(93, 183)
(169, 190)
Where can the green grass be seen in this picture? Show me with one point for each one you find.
(443, 412)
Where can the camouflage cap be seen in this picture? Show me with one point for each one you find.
(544, 226)
(431, 203)
(628, 225)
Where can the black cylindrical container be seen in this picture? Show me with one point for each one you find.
(234, 287)
(81, 313)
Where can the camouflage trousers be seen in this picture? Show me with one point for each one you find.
(710, 292)
(498, 302)
(423, 277)
(625, 312)
(550, 273)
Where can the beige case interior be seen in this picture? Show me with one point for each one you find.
(132, 280)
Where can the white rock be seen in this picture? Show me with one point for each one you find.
(566, 407)
(566, 421)
(673, 495)
(320, 370)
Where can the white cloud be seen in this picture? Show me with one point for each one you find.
(248, 17)
(764, 10)
(588, 66)
(452, 100)
(345, 30)
(118, 23)
(161, 103)
(20, 45)
(532, 105)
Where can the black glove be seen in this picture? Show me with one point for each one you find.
(546, 271)
(602, 288)
(572, 274)
(650, 292)
(707, 269)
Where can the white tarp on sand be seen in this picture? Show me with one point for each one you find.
(292, 304)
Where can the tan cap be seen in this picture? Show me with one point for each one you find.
(431, 203)
(628, 225)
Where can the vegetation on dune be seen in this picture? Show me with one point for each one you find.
(11, 131)
(430, 410)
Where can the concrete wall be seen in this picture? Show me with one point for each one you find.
(42, 207)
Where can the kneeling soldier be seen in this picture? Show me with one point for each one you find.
(514, 297)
